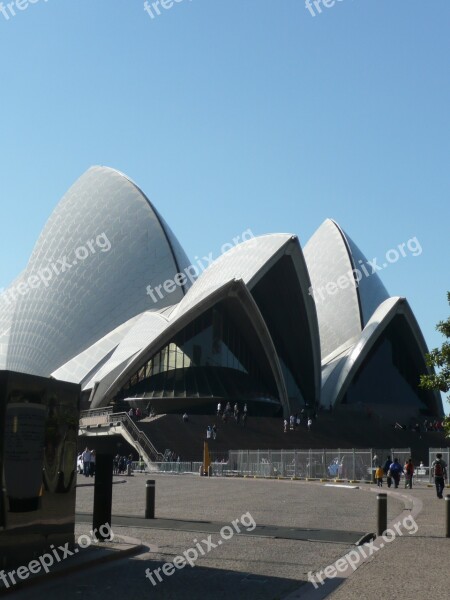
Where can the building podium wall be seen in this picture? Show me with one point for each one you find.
(38, 452)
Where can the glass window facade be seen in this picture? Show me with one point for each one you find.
(285, 315)
(390, 373)
(210, 357)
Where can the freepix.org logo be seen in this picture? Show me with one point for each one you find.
(55, 555)
(353, 277)
(353, 558)
(12, 9)
(191, 272)
(202, 547)
(318, 5)
(153, 9)
(55, 268)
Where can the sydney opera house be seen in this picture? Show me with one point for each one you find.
(108, 300)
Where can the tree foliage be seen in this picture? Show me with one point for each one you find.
(439, 358)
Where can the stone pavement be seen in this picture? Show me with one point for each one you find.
(260, 567)
(285, 533)
(413, 567)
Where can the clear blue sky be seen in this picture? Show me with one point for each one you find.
(236, 114)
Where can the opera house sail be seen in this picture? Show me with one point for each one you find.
(259, 324)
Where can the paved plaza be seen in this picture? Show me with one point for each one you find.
(288, 529)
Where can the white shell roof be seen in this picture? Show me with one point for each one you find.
(145, 330)
(7, 306)
(88, 298)
(157, 331)
(338, 374)
(243, 262)
(249, 261)
(371, 289)
(246, 262)
(342, 307)
(78, 368)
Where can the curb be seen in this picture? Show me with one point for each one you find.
(305, 592)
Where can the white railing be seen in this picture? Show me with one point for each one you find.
(138, 436)
(108, 418)
(95, 412)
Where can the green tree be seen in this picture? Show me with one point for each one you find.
(439, 358)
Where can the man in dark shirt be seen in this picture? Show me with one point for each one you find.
(439, 472)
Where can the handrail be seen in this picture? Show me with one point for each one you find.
(139, 436)
(94, 412)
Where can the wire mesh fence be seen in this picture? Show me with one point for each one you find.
(346, 464)
(166, 467)
(337, 463)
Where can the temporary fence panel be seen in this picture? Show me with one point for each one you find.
(353, 464)
(329, 463)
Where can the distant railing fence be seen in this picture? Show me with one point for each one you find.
(357, 465)
(352, 464)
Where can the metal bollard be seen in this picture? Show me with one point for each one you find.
(150, 499)
(447, 516)
(381, 513)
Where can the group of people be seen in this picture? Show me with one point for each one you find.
(135, 414)
(88, 458)
(122, 465)
(211, 432)
(295, 421)
(433, 425)
(228, 412)
(171, 456)
(393, 471)
(427, 426)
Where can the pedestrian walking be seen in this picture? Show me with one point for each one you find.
(387, 472)
(86, 457)
(409, 472)
(92, 464)
(396, 470)
(439, 472)
(379, 476)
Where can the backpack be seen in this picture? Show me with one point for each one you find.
(438, 469)
(409, 469)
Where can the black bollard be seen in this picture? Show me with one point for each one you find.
(447, 516)
(103, 495)
(150, 499)
(381, 513)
